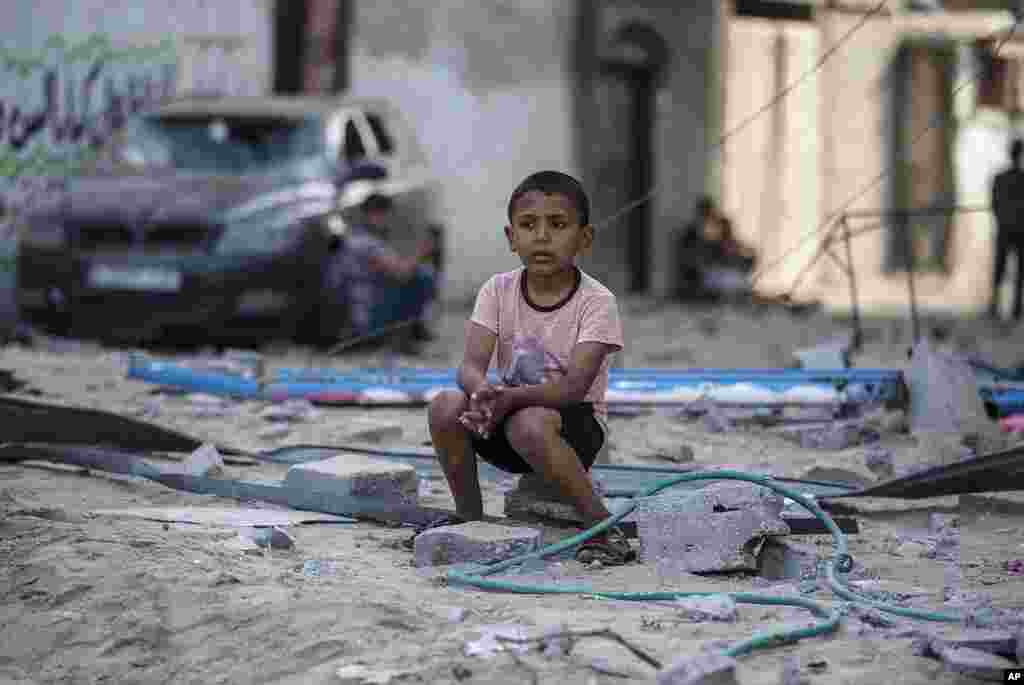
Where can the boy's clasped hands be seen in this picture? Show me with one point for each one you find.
(487, 407)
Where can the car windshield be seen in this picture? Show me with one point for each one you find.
(217, 144)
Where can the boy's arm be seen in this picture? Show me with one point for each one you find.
(480, 343)
(584, 365)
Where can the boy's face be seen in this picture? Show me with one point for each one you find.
(546, 234)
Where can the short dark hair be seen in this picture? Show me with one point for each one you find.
(549, 182)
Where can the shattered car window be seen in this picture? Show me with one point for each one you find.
(217, 144)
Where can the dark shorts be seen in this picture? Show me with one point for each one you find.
(580, 429)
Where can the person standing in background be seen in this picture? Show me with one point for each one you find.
(1008, 208)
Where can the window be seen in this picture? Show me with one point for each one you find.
(384, 141)
(354, 147)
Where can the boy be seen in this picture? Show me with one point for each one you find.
(552, 423)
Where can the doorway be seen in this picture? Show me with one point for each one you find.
(636, 63)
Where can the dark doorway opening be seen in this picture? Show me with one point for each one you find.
(640, 56)
(290, 18)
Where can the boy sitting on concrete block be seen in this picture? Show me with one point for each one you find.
(554, 328)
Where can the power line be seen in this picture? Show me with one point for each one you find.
(778, 97)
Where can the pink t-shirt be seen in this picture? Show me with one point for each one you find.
(588, 314)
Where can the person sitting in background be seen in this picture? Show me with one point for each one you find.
(712, 262)
(383, 288)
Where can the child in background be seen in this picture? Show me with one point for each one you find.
(554, 328)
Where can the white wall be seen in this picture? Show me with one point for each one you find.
(487, 91)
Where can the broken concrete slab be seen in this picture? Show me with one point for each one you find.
(721, 608)
(704, 669)
(357, 475)
(854, 475)
(976, 663)
(782, 559)
(716, 497)
(474, 542)
(701, 543)
(1001, 642)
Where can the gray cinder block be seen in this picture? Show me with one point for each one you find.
(975, 663)
(781, 559)
(357, 476)
(705, 669)
(698, 543)
(474, 542)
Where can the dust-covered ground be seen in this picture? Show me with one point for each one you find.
(95, 597)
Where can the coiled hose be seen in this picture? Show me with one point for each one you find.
(840, 563)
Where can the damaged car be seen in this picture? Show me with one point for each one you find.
(217, 215)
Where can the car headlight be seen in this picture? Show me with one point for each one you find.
(46, 234)
(261, 235)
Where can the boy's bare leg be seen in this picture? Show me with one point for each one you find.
(455, 452)
(534, 433)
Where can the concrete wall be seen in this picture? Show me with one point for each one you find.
(772, 184)
(486, 86)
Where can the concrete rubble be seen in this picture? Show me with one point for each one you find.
(721, 608)
(532, 496)
(356, 475)
(975, 663)
(783, 559)
(474, 542)
(717, 528)
(704, 669)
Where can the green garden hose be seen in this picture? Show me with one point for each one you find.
(841, 562)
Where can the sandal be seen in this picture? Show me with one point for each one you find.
(611, 548)
(446, 520)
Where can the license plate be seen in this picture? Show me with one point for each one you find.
(146, 278)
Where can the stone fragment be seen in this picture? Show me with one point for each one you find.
(716, 497)
(698, 543)
(839, 474)
(204, 461)
(358, 476)
(830, 354)
(790, 674)
(976, 663)
(879, 461)
(1000, 642)
(720, 608)
(669, 450)
(474, 542)
(715, 420)
(373, 431)
(704, 669)
(293, 410)
(938, 522)
(782, 559)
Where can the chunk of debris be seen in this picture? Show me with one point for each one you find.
(879, 461)
(832, 435)
(267, 537)
(715, 420)
(938, 522)
(704, 669)
(699, 543)
(204, 461)
(474, 542)
(668, 450)
(976, 663)
(489, 643)
(839, 474)
(721, 608)
(382, 481)
(830, 354)
(782, 559)
(1000, 642)
(790, 674)
(293, 410)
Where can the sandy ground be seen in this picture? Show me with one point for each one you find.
(95, 598)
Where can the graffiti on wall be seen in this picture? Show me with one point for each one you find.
(60, 103)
